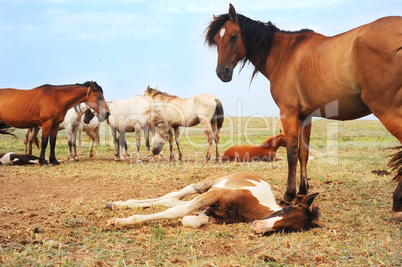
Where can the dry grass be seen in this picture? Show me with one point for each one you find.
(56, 216)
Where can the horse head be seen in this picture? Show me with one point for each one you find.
(289, 219)
(224, 33)
(96, 101)
(159, 127)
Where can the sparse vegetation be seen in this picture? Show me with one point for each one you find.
(55, 216)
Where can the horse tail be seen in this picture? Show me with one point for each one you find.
(219, 114)
(36, 141)
(396, 163)
(5, 129)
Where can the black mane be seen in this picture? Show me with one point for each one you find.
(86, 84)
(257, 37)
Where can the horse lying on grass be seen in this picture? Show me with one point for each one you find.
(17, 159)
(228, 198)
(264, 152)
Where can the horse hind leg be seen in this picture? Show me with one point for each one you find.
(208, 132)
(305, 130)
(177, 138)
(215, 132)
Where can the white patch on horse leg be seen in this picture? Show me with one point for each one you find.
(262, 226)
(222, 32)
(195, 221)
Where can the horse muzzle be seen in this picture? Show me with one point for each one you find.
(225, 73)
(156, 150)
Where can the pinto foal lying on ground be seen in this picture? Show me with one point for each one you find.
(264, 152)
(17, 159)
(228, 198)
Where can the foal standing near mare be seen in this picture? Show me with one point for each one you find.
(343, 77)
(203, 108)
(46, 106)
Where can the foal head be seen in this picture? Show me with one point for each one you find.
(289, 219)
(159, 128)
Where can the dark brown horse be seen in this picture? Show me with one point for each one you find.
(343, 77)
(46, 106)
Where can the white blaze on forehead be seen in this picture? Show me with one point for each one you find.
(222, 33)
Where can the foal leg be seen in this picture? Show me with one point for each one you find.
(304, 141)
(176, 212)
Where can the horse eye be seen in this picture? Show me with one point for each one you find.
(99, 98)
(233, 38)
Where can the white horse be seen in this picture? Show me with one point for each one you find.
(204, 108)
(132, 115)
(92, 130)
(73, 122)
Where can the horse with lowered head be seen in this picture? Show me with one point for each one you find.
(203, 108)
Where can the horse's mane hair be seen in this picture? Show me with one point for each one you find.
(396, 163)
(150, 92)
(155, 115)
(86, 84)
(269, 139)
(257, 36)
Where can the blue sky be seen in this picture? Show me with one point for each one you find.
(126, 45)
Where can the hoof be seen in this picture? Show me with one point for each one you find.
(397, 216)
(109, 206)
(111, 222)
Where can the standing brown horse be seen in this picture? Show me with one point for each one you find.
(46, 106)
(343, 77)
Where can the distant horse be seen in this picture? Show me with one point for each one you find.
(204, 108)
(264, 152)
(17, 159)
(228, 198)
(344, 77)
(78, 118)
(132, 115)
(46, 106)
(13, 158)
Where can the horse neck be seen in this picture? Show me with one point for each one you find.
(284, 45)
(68, 97)
(271, 143)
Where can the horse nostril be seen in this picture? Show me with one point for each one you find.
(226, 71)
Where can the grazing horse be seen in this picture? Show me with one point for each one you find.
(264, 152)
(46, 106)
(204, 108)
(132, 115)
(228, 198)
(73, 122)
(343, 77)
(17, 159)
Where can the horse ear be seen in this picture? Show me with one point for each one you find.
(232, 13)
(280, 131)
(309, 199)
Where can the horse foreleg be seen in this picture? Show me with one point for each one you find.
(26, 138)
(53, 137)
(97, 140)
(122, 145)
(177, 138)
(146, 136)
(206, 125)
(138, 139)
(170, 133)
(290, 127)
(176, 212)
(304, 142)
(215, 132)
(116, 143)
(80, 154)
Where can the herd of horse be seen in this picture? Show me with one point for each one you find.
(343, 77)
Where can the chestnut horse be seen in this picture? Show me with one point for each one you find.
(203, 108)
(228, 198)
(264, 152)
(343, 77)
(46, 106)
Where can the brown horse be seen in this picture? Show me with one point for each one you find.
(343, 77)
(46, 106)
(264, 152)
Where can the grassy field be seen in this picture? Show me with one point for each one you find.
(54, 215)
